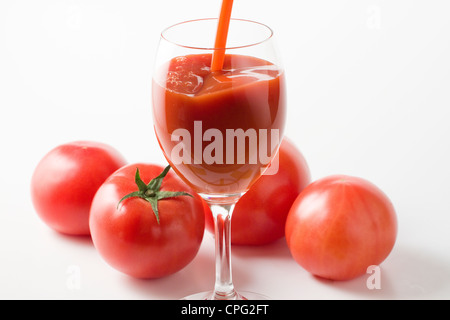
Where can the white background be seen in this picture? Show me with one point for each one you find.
(368, 93)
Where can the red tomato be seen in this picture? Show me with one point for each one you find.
(135, 239)
(260, 215)
(340, 225)
(66, 180)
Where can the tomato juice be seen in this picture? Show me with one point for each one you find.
(219, 130)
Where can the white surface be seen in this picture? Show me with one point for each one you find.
(368, 92)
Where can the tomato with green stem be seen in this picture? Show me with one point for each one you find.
(146, 230)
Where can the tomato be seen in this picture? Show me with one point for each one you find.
(65, 182)
(260, 215)
(146, 231)
(340, 225)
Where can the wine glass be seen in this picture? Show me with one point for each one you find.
(219, 130)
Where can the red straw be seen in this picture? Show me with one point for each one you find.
(221, 35)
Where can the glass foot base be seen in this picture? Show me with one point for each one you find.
(242, 295)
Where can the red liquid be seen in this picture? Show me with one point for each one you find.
(248, 94)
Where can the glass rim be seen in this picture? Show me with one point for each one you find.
(267, 38)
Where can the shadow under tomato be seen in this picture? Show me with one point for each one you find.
(275, 250)
(197, 276)
(84, 240)
(255, 265)
(406, 274)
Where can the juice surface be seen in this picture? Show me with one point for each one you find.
(246, 98)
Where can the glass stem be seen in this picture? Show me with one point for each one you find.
(223, 289)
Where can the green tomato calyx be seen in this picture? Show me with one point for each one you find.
(152, 192)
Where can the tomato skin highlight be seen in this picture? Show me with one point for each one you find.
(65, 181)
(128, 236)
(340, 225)
(260, 215)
